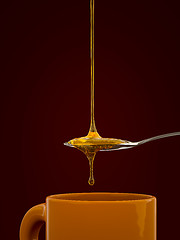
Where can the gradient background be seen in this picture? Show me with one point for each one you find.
(45, 97)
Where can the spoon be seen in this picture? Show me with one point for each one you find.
(124, 144)
(129, 144)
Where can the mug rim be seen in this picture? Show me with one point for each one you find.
(101, 197)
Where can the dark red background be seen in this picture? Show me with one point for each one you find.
(45, 91)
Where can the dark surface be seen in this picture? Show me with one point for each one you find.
(45, 97)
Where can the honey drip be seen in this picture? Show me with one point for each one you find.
(91, 144)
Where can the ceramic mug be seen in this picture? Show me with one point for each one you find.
(93, 216)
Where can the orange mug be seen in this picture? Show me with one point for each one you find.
(93, 216)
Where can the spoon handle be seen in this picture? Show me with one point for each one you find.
(158, 137)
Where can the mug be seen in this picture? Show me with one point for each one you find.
(92, 216)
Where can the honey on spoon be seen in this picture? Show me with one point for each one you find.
(93, 142)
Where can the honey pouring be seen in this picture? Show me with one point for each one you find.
(93, 142)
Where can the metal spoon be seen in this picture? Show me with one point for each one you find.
(129, 144)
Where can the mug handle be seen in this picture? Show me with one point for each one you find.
(32, 222)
